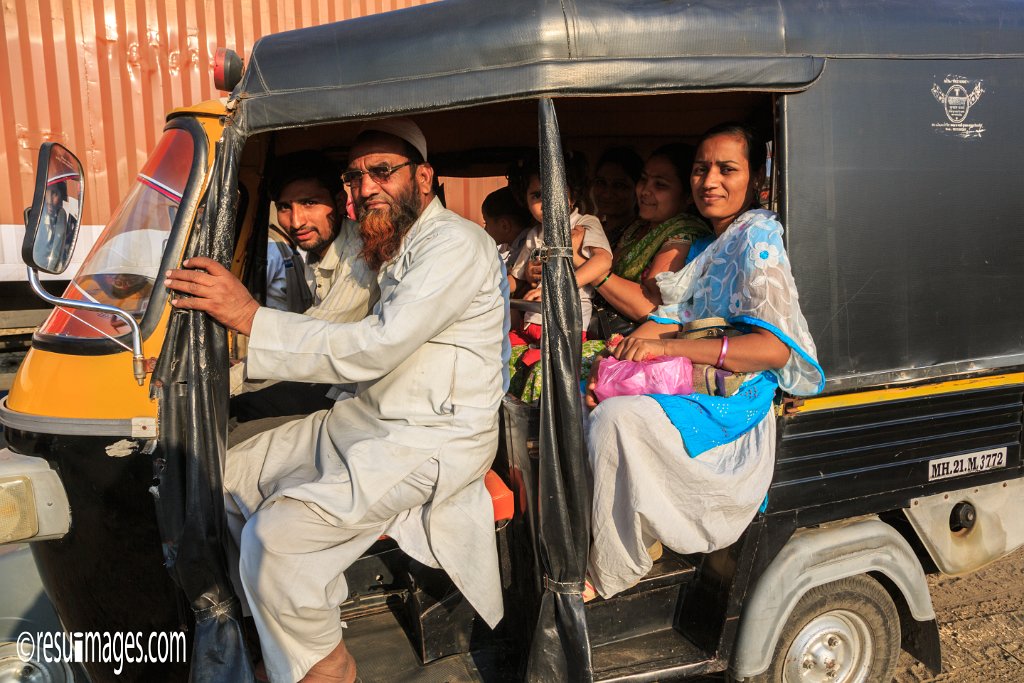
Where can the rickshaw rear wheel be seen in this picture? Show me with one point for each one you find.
(846, 631)
(18, 664)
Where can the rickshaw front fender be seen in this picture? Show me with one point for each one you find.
(814, 557)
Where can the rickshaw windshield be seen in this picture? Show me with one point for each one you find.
(123, 265)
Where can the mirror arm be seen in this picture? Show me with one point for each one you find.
(138, 361)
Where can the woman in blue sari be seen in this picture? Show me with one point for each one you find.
(692, 471)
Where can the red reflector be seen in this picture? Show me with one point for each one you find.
(227, 69)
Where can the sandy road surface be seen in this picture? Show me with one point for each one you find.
(981, 623)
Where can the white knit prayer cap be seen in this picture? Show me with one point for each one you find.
(402, 128)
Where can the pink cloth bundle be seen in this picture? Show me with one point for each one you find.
(661, 375)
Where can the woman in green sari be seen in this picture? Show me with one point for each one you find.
(660, 240)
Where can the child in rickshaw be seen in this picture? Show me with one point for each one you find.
(507, 221)
(592, 258)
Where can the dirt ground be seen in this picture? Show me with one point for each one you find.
(981, 623)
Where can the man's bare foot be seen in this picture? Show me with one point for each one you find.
(655, 551)
(337, 667)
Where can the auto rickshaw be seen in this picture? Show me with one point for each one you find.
(895, 172)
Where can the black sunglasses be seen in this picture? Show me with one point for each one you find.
(378, 174)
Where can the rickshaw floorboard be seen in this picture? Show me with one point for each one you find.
(661, 655)
(384, 654)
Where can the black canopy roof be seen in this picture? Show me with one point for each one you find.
(462, 52)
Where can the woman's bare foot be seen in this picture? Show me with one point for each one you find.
(337, 667)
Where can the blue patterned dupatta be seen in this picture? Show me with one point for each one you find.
(743, 276)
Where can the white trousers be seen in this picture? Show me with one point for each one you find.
(647, 488)
(291, 567)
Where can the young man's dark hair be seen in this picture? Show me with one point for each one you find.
(304, 165)
(61, 188)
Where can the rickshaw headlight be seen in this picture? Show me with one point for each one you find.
(18, 519)
(33, 502)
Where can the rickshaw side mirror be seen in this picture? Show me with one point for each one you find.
(53, 220)
(51, 230)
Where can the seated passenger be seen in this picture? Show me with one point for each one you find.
(659, 241)
(591, 251)
(407, 454)
(307, 192)
(506, 220)
(613, 190)
(692, 470)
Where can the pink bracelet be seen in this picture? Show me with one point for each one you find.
(725, 350)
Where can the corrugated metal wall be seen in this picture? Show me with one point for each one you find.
(100, 75)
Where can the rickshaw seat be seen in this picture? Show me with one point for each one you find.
(501, 497)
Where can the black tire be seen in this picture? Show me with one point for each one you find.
(849, 628)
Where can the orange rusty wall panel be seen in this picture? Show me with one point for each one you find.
(100, 75)
(465, 195)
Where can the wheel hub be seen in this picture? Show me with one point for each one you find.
(834, 647)
(14, 669)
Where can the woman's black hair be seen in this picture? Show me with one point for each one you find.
(757, 151)
(503, 203)
(680, 155)
(519, 175)
(626, 159)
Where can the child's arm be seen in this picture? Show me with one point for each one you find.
(577, 235)
(636, 299)
(599, 263)
(519, 280)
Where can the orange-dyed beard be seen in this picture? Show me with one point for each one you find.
(382, 230)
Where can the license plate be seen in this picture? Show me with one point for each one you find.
(966, 463)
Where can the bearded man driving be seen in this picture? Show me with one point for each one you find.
(405, 456)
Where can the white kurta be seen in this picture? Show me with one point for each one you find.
(429, 365)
